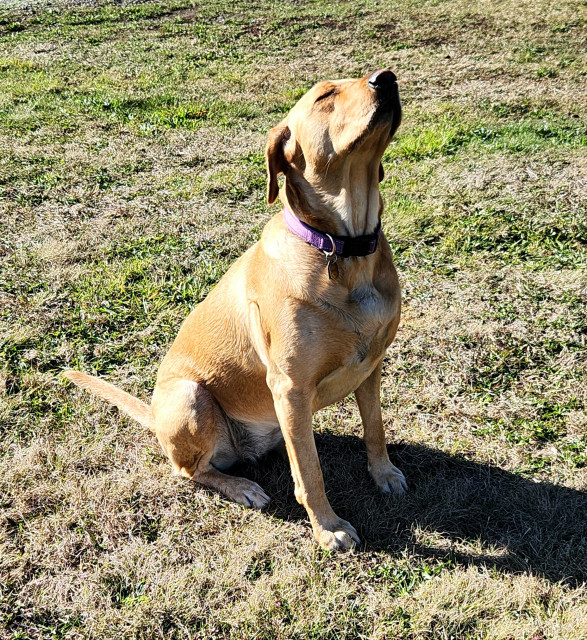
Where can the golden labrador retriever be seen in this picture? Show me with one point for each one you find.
(299, 321)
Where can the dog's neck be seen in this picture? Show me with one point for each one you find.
(348, 206)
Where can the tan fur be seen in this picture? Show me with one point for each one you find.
(134, 407)
(276, 339)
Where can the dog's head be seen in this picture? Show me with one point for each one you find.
(338, 127)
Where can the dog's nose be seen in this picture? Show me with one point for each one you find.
(382, 79)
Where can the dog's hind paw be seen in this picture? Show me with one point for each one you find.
(248, 493)
(389, 479)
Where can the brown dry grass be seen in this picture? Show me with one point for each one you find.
(131, 175)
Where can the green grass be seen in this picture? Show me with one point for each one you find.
(132, 175)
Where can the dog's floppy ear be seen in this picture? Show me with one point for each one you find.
(276, 162)
(381, 172)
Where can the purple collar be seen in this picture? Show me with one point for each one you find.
(344, 246)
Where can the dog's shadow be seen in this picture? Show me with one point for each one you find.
(517, 524)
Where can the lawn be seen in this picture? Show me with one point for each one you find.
(132, 175)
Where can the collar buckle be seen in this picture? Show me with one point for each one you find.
(331, 257)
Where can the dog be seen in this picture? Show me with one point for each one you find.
(299, 321)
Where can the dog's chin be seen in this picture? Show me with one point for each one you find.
(384, 121)
(388, 113)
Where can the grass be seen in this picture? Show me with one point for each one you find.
(132, 175)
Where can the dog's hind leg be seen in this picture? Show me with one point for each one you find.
(188, 424)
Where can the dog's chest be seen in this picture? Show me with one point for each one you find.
(368, 318)
(367, 306)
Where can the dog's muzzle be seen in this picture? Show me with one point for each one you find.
(383, 80)
(384, 83)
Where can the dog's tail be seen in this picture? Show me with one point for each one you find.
(134, 407)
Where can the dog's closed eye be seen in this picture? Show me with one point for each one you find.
(326, 95)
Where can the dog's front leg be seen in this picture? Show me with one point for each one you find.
(386, 476)
(294, 412)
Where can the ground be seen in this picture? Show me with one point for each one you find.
(132, 175)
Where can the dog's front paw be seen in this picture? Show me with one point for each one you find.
(389, 479)
(337, 535)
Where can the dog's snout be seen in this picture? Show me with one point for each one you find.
(383, 79)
